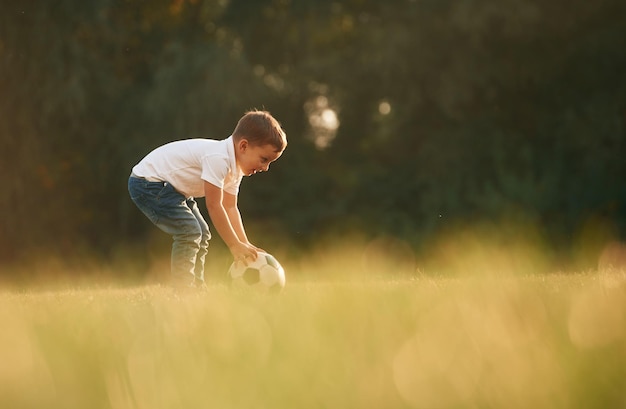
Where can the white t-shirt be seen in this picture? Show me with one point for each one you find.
(187, 163)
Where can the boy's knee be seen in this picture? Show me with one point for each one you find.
(190, 231)
(189, 240)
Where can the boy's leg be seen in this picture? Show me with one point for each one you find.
(204, 241)
(168, 210)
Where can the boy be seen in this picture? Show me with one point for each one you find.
(164, 184)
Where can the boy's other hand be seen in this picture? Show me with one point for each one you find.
(259, 250)
(244, 253)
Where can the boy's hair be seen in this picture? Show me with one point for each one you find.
(260, 128)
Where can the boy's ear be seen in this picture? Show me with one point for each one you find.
(243, 144)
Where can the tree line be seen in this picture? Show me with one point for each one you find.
(404, 117)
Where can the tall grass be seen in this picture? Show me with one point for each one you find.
(553, 341)
(356, 327)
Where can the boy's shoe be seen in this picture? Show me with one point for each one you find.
(199, 286)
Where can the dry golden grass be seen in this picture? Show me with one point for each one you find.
(359, 326)
(549, 341)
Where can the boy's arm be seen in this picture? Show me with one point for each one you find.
(241, 249)
(229, 202)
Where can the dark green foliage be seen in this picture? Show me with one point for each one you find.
(495, 109)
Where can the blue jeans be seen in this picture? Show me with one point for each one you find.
(179, 217)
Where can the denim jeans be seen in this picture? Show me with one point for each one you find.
(179, 217)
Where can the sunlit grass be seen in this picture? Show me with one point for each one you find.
(483, 321)
(541, 341)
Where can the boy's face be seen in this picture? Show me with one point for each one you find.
(252, 159)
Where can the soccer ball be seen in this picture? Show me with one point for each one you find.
(264, 273)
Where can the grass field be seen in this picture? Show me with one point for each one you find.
(491, 341)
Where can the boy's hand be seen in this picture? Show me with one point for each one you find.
(259, 250)
(244, 253)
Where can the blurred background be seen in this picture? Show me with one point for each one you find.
(406, 120)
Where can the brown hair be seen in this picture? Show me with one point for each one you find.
(260, 128)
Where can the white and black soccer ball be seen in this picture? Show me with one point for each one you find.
(264, 273)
